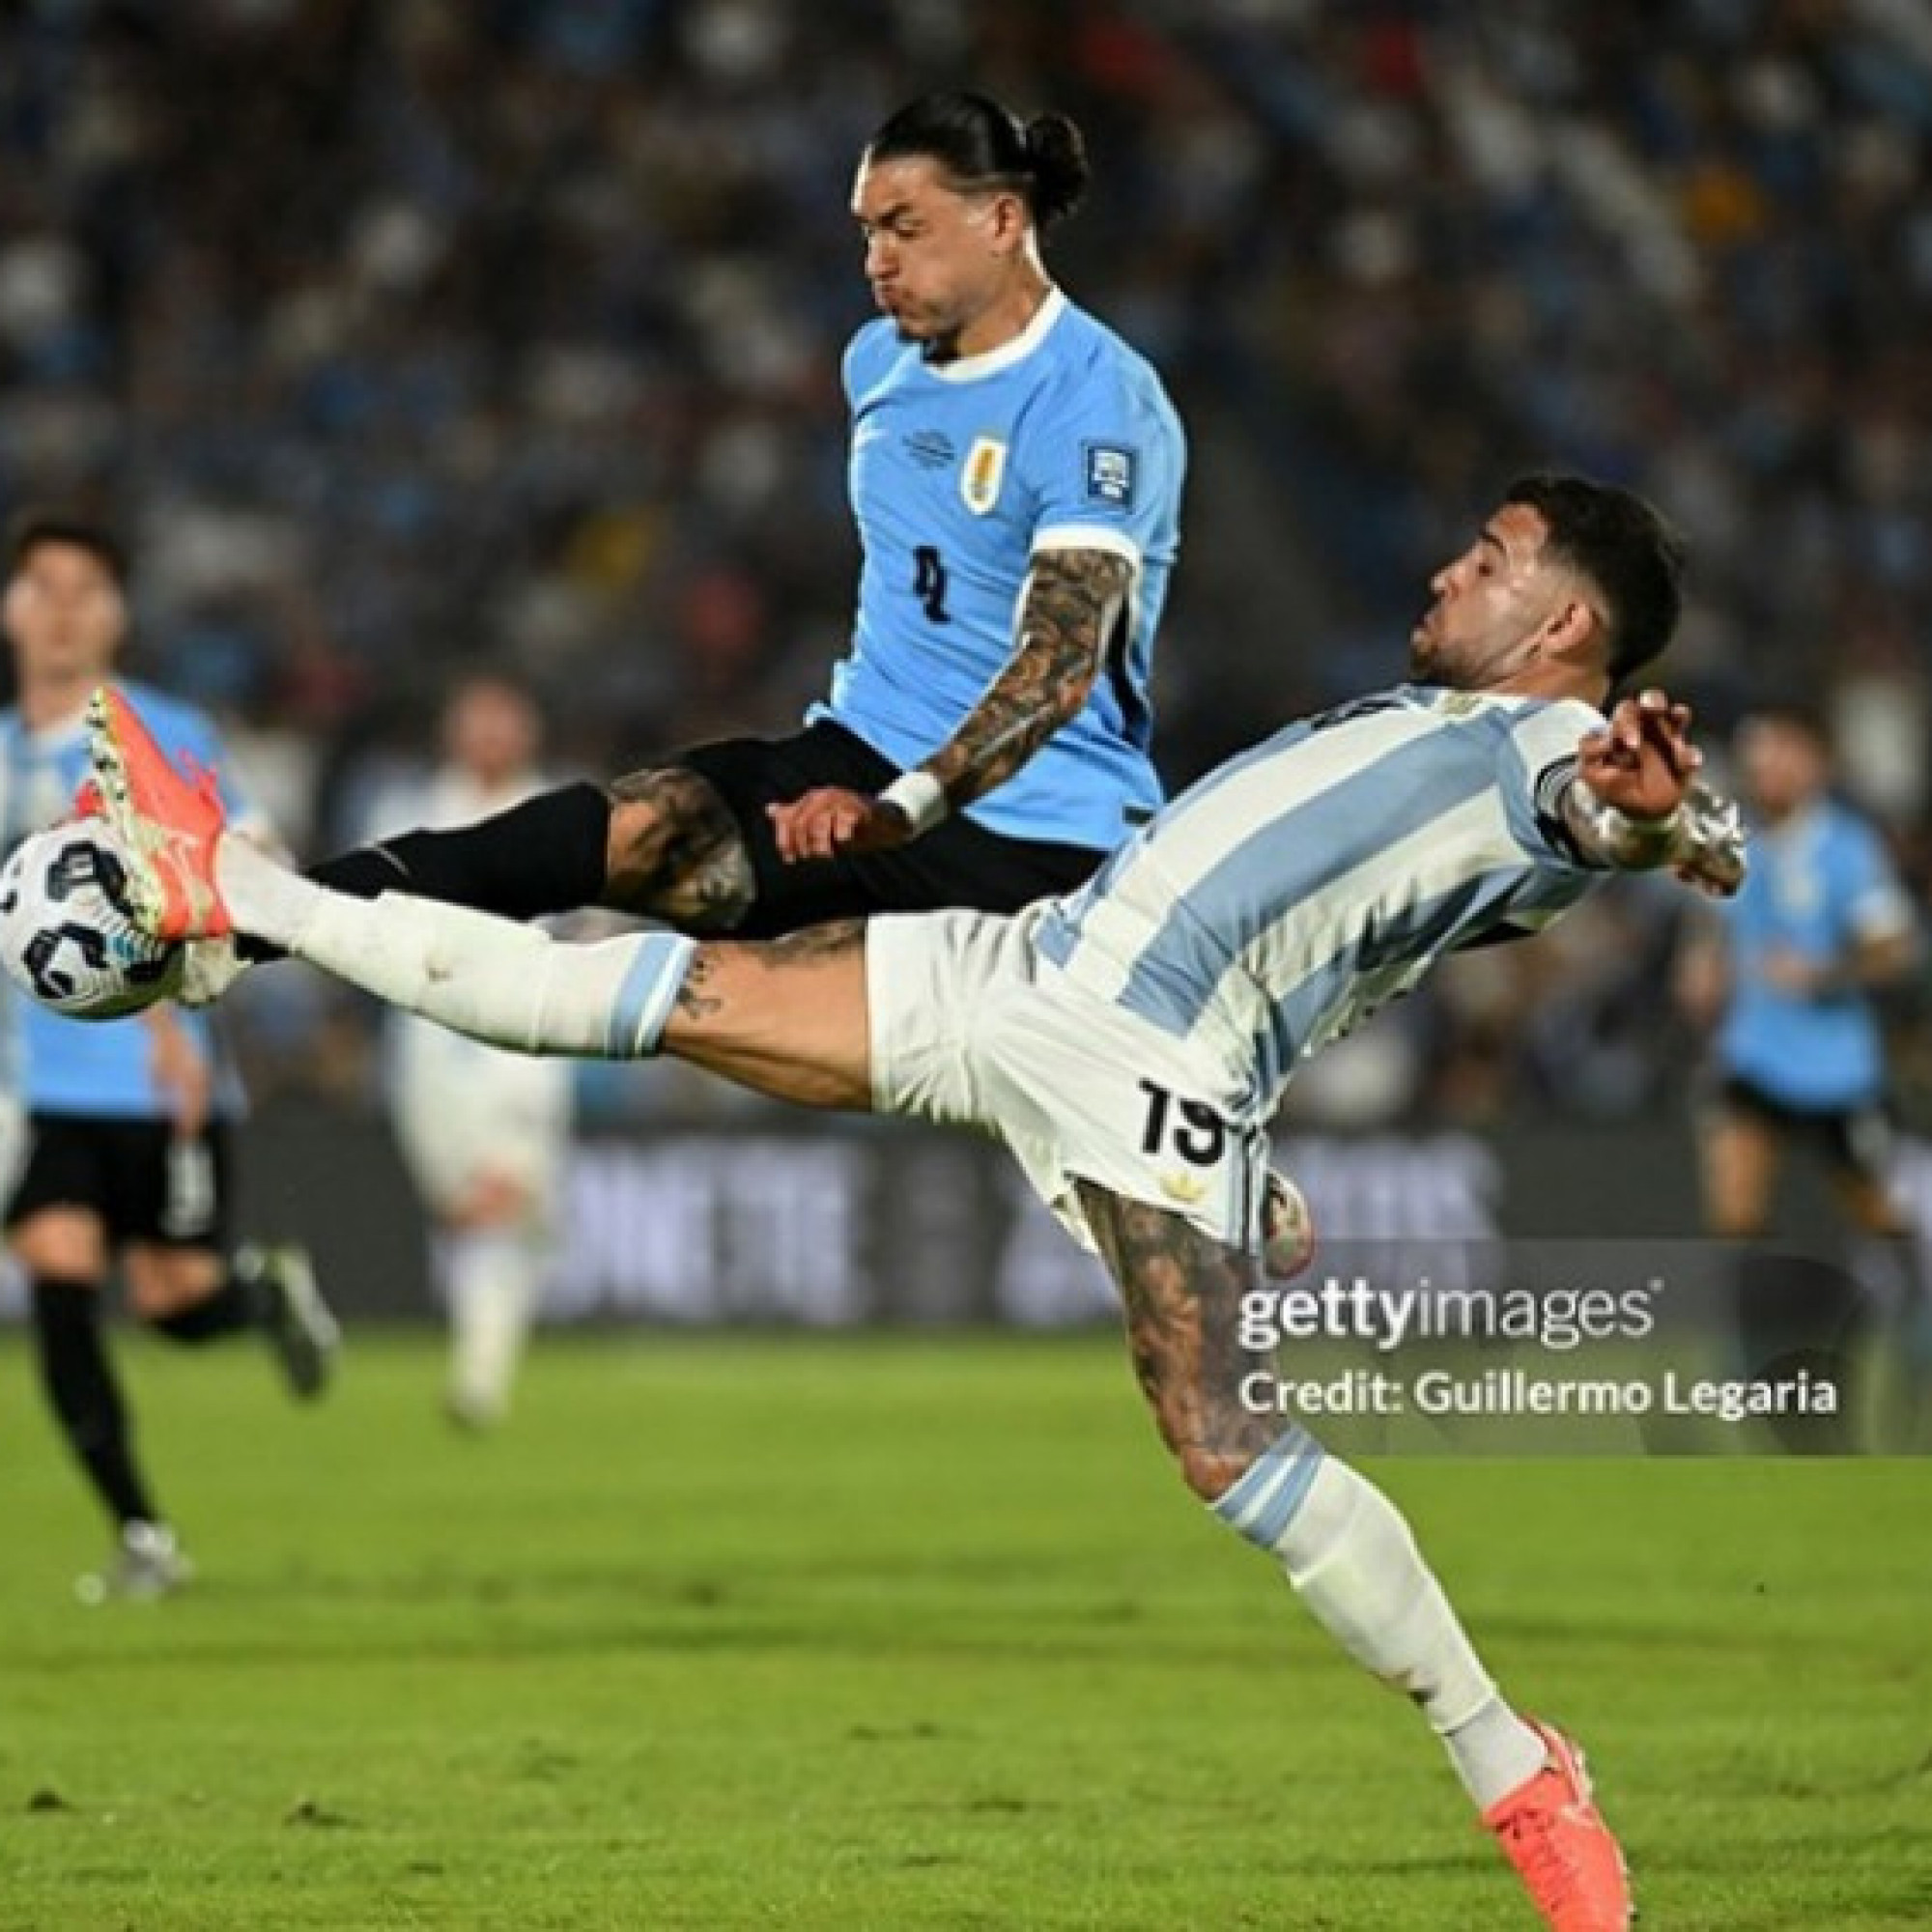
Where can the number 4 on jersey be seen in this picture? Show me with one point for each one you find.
(928, 583)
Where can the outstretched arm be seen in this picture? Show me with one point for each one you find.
(1075, 601)
(1637, 802)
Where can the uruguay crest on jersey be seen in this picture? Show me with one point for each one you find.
(979, 479)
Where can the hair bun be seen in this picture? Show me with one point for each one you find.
(1057, 159)
(979, 144)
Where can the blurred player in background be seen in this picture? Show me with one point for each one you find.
(484, 1133)
(129, 1120)
(1015, 474)
(1130, 1042)
(1786, 976)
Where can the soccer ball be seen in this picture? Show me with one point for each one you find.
(66, 935)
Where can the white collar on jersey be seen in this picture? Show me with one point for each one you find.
(990, 361)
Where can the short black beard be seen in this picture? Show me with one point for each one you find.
(1421, 672)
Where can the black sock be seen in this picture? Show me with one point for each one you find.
(544, 856)
(82, 1392)
(232, 1305)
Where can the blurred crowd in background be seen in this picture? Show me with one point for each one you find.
(404, 339)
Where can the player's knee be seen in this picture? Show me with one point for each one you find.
(63, 1245)
(163, 1281)
(1729, 1218)
(1212, 1440)
(636, 842)
(1736, 1213)
(675, 852)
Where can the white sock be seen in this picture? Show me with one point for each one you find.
(492, 978)
(490, 1276)
(1351, 1559)
(264, 899)
(1494, 1752)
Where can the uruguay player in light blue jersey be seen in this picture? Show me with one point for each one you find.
(1787, 976)
(1015, 474)
(1054, 451)
(127, 1148)
(1790, 970)
(1129, 1042)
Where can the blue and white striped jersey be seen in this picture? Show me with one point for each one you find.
(1291, 891)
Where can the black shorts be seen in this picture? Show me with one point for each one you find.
(144, 1181)
(1856, 1141)
(956, 863)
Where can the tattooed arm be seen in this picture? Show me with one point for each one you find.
(1075, 602)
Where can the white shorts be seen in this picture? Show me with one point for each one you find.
(969, 1027)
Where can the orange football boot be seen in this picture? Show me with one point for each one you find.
(1552, 1831)
(168, 822)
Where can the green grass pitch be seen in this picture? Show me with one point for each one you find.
(904, 1633)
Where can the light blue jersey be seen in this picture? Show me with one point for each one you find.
(1294, 890)
(959, 474)
(1821, 882)
(96, 1067)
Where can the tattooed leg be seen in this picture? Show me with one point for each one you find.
(675, 853)
(787, 1018)
(1183, 1294)
(1341, 1543)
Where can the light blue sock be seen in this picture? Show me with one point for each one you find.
(647, 993)
(1262, 1500)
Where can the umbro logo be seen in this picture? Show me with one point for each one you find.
(930, 448)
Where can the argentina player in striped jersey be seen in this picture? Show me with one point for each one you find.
(1129, 1042)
